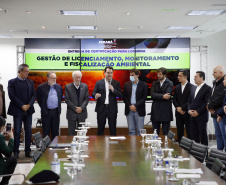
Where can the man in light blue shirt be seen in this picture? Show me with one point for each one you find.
(49, 95)
(134, 95)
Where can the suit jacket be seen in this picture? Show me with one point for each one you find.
(221, 112)
(6, 151)
(42, 96)
(72, 102)
(161, 109)
(3, 97)
(100, 88)
(141, 96)
(181, 100)
(199, 102)
(217, 97)
(15, 106)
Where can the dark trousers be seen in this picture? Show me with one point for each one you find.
(101, 121)
(198, 130)
(72, 125)
(165, 126)
(182, 121)
(11, 163)
(51, 123)
(27, 120)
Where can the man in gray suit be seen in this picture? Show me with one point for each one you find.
(76, 98)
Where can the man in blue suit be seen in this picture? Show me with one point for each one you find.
(49, 95)
(199, 115)
(22, 95)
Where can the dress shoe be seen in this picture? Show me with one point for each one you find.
(27, 154)
(16, 154)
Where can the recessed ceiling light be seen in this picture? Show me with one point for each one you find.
(0, 9)
(19, 30)
(168, 10)
(119, 28)
(63, 12)
(28, 11)
(166, 36)
(127, 13)
(206, 12)
(84, 37)
(207, 30)
(82, 27)
(140, 27)
(43, 27)
(181, 27)
(5, 36)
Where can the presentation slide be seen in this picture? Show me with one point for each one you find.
(163, 52)
(96, 54)
(52, 54)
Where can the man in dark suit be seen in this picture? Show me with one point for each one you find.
(197, 109)
(161, 110)
(22, 95)
(214, 105)
(77, 99)
(49, 95)
(134, 95)
(180, 101)
(105, 92)
(221, 114)
(2, 102)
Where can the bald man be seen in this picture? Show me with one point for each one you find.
(215, 103)
(77, 99)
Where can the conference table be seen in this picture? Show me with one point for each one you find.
(118, 162)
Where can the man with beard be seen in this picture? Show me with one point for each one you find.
(161, 110)
(49, 95)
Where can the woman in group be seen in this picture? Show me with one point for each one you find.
(8, 162)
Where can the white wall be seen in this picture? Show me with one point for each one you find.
(8, 70)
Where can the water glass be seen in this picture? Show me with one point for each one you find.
(143, 132)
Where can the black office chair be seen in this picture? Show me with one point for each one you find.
(214, 153)
(36, 155)
(47, 141)
(42, 146)
(199, 151)
(7, 175)
(171, 135)
(37, 138)
(186, 143)
(217, 166)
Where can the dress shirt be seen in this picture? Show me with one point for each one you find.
(107, 91)
(21, 78)
(198, 88)
(133, 96)
(161, 82)
(77, 86)
(183, 86)
(52, 101)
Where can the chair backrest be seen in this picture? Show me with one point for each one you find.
(42, 146)
(37, 138)
(36, 155)
(217, 166)
(171, 135)
(199, 151)
(47, 141)
(186, 143)
(214, 153)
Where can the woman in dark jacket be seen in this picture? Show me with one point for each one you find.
(7, 163)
